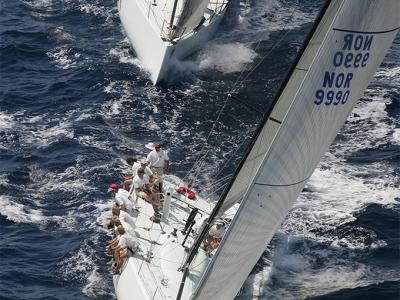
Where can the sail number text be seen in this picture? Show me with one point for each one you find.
(353, 54)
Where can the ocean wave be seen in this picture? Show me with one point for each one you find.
(20, 213)
(64, 57)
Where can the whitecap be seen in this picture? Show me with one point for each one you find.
(6, 121)
(19, 213)
(227, 58)
(63, 57)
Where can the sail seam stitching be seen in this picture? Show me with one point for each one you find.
(291, 184)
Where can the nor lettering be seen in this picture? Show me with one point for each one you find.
(339, 80)
(357, 42)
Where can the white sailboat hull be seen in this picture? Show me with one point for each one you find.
(129, 285)
(156, 54)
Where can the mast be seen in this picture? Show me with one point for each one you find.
(171, 22)
(342, 54)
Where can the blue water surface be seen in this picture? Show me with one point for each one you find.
(74, 102)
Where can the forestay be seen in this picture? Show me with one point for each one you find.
(346, 48)
(190, 16)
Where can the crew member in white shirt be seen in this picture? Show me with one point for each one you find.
(133, 162)
(141, 184)
(122, 198)
(148, 192)
(126, 243)
(123, 216)
(135, 166)
(215, 235)
(158, 160)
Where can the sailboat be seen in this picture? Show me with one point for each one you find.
(162, 31)
(341, 54)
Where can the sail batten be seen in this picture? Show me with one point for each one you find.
(341, 57)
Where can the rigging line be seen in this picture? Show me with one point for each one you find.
(196, 174)
(196, 165)
(267, 54)
(238, 82)
(264, 57)
(247, 105)
(214, 189)
(219, 188)
(231, 156)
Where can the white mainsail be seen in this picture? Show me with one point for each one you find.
(346, 48)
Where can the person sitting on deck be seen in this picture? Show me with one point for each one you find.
(122, 198)
(123, 216)
(141, 184)
(113, 224)
(126, 243)
(149, 193)
(214, 237)
(137, 165)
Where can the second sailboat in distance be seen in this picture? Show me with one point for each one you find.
(161, 31)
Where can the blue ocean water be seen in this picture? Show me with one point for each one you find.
(75, 102)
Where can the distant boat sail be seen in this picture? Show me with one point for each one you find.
(163, 30)
(346, 46)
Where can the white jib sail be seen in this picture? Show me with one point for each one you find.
(343, 54)
(190, 16)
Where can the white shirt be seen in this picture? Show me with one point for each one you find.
(148, 172)
(199, 224)
(128, 227)
(139, 183)
(128, 241)
(135, 166)
(217, 233)
(157, 159)
(121, 198)
(125, 217)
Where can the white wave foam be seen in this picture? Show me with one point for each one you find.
(110, 88)
(81, 267)
(34, 119)
(123, 55)
(311, 271)
(396, 136)
(6, 121)
(19, 213)
(227, 58)
(59, 34)
(390, 75)
(337, 193)
(63, 57)
(368, 125)
(4, 180)
(44, 135)
(40, 3)
(257, 19)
